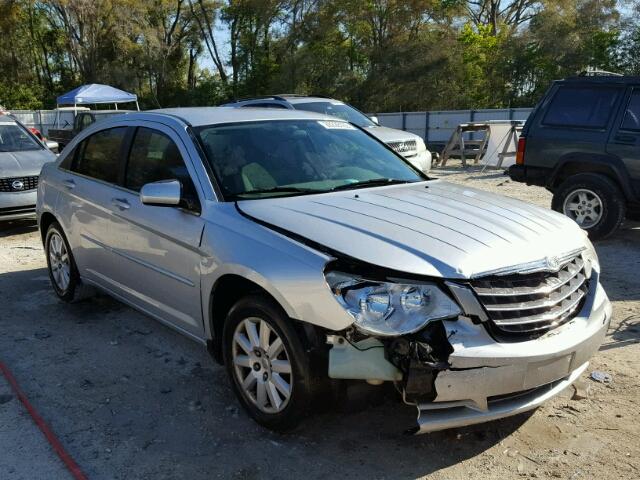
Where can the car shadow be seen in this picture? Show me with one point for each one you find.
(119, 382)
(619, 257)
(17, 227)
(626, 332)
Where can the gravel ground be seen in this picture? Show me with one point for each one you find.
(130, 398)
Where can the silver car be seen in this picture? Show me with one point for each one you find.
(22, 156)
(307, 256)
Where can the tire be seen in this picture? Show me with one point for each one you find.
(254, 363)
(596, 194)
(61, 265)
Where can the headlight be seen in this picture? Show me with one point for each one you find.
(590, 258)
(390, 309)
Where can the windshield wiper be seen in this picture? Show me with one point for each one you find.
(274, 190)
(374, 182)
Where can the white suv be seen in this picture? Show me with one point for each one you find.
(409, 145)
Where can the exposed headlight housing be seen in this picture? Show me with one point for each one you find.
(388, 309)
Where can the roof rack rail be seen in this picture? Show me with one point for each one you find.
(301, 95)
(261, 97)
(280, 97)
(594, 72)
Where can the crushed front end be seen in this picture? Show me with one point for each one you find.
(515, 338)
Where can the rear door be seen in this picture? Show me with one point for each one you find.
(573, 121)
(88, 186)
(158, 246)
(624, 142)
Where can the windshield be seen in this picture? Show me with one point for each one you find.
(339, 110)
(14, 138)
(292, 157)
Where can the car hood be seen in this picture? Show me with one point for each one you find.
(24, 164)
(386, 135)
(429, 228)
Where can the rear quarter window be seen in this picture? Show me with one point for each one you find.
(581, 107)
(631, 119)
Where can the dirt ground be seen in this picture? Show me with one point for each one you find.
(130, 398)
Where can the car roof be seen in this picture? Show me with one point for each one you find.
(199, 116)
(602, 79)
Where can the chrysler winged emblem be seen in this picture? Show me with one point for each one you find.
(553, 263)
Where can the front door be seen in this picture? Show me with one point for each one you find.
(159, 249)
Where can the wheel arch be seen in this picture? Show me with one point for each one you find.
(575, 163)
(46, 219)
(226, 291)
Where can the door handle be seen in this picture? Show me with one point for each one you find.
(121, 203)
(70, 184)
(625, 139)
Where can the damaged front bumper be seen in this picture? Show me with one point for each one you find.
(483, 379)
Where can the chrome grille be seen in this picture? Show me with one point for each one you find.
(534, 302)
(10, 184)
(404, 147)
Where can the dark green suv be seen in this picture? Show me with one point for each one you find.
(582, 142)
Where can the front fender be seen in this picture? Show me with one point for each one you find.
(292, 273)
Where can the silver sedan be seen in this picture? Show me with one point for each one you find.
(308, 255)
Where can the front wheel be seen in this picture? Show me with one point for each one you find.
(266, 363)
(593, 201)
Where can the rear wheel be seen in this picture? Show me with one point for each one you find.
(266, 363)
(61, 265)
(593, 201)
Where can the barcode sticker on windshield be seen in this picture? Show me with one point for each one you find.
(336, 125)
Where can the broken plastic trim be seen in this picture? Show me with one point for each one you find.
(441, 416)
(420, 357)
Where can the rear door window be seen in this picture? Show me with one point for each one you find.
(155, 157)
(99, 155)
(631, 120)
(583, 107)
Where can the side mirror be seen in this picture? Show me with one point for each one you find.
(374, 119)
(166, 193)
(53, 146)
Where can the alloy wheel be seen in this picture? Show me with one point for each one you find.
(59, 262)
(584, 207)
(261, 365)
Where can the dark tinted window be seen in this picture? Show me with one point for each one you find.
(100, 155)
(154, 157)
(85, 121)
(586, 107)
(631, 119)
